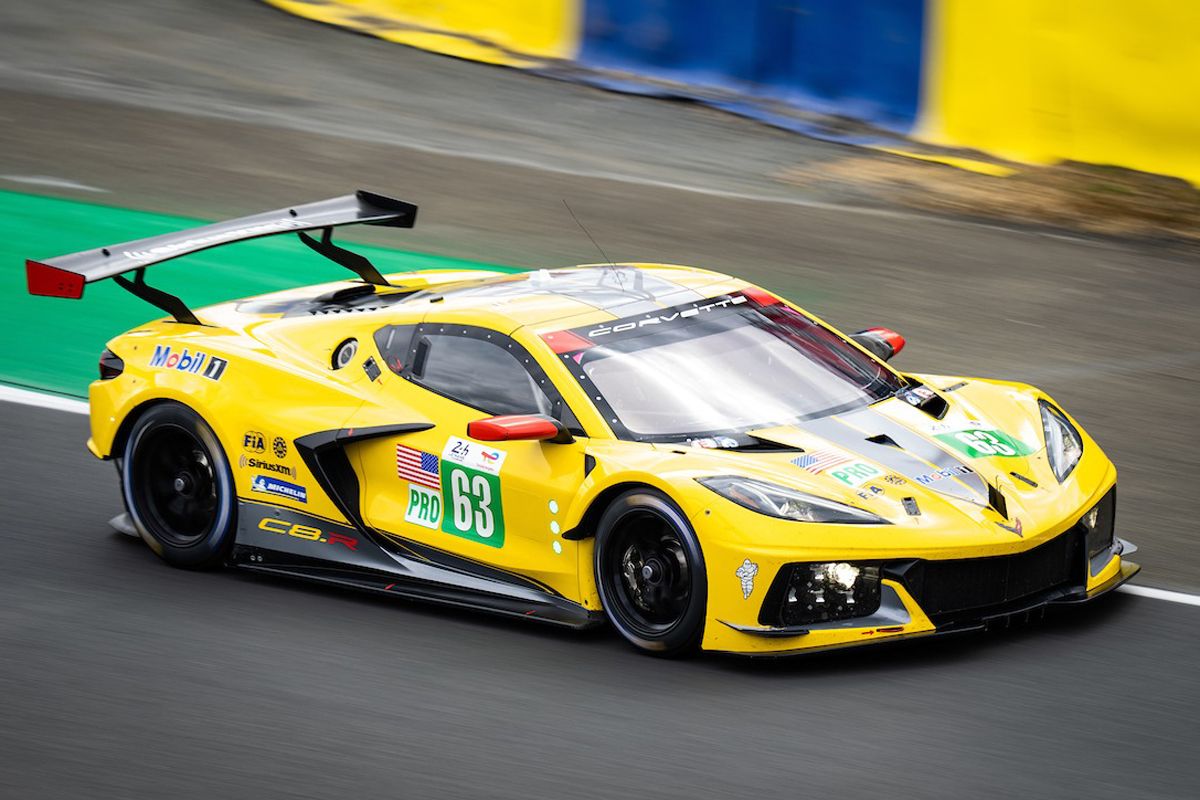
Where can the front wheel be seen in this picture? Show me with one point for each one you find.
(650, 573)
(178, 487)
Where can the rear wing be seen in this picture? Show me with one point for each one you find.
(65, 276)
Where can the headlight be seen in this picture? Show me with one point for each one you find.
(814, 593)
(779, 501)
(1063, 444)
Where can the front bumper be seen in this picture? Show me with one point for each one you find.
(900, 616)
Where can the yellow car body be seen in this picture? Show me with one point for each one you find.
(261, 372)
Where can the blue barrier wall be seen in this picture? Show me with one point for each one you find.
(854, 58)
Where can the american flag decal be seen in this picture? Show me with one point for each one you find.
(820, 460)
(418, 467)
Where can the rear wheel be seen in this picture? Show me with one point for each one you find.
(650, 573)
(178, 487)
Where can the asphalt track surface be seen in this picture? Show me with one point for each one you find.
(121, 677)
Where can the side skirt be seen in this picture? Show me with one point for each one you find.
(282, 541)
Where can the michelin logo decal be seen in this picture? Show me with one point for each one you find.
(745, 574)
(197, 363)
(267, 485)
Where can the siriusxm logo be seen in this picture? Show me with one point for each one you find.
(197, 363)
(266, 485)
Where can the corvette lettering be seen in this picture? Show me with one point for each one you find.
(307, 532)
(622, 327)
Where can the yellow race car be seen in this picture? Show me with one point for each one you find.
(676, 451)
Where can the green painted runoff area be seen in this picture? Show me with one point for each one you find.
(53, 344)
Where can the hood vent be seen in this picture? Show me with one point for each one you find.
(884, 440)
(996, 501)
(924, 398)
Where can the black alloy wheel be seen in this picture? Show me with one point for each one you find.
(178, 487)
(650, 573)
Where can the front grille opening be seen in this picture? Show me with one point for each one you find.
(957, 589)
(1100, 532)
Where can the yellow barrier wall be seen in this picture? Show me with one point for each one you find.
(1103, 81)
(516, 33)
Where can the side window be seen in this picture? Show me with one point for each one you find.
(394, 343)
(478, 373)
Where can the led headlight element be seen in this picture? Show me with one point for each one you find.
(1063, 443)
(814, 593)
(779, 501)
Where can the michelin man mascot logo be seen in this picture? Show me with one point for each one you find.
(746, 572)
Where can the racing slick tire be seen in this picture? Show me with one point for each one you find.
(650, 573)
(178, 487)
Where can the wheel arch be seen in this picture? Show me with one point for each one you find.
(121, 437)
(586, 527)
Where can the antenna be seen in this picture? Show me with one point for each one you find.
(585, 230)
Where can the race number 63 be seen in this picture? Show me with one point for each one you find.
(472, 501)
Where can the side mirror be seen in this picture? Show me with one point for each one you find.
(883, 342)
(519, 427)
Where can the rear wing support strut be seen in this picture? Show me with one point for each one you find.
(157, 297)
(354, 262)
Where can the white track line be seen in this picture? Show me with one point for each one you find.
(27, 397)
(1162, 594)
(52, 182)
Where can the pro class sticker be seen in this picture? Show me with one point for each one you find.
(424, 507)
(837, 465)
(855, 473)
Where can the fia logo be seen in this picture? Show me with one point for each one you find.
(253, 442)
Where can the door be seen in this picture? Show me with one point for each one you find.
(498, 503)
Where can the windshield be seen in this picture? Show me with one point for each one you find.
(720, 366)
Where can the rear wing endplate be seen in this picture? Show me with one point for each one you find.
(65, 276)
